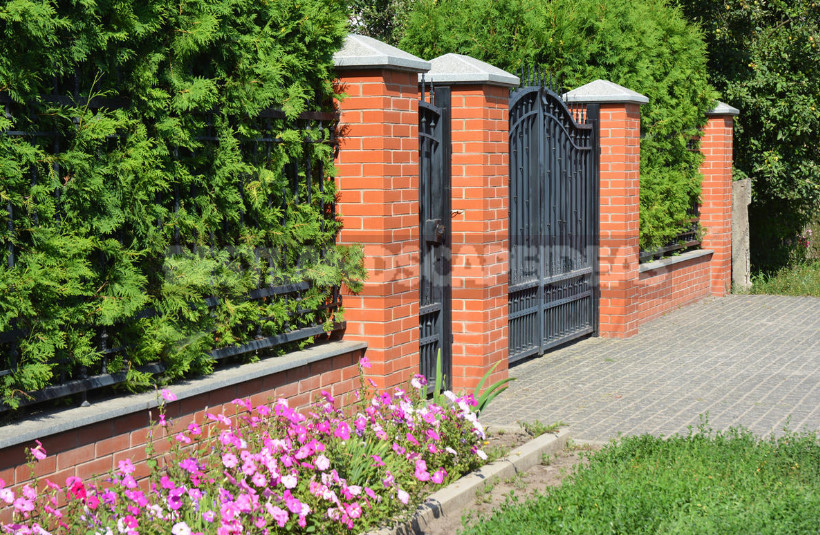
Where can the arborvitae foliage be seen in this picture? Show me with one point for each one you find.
(764, 56)
(159, 182)
(644, 45)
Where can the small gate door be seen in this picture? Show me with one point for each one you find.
(435, 314)
(553, 222)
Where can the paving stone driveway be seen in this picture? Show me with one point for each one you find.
(750, 360)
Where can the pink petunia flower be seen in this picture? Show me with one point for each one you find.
(365, 362)
(126, 467)
(259, 479)
(280, 516)
(39, 452)
(439, 475)
(342, 431)
(403, 497)
(354, 510)
(167, 395)
(229, 460)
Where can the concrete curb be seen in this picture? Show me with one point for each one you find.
(459, 494)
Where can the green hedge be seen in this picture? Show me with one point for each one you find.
(644, 45)
(764, 57)
(157, 195)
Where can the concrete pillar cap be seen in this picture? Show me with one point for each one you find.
(362, 52)
(724, 109)
(604, 92)
(460, 69)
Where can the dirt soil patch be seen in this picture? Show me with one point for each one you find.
(551, 473)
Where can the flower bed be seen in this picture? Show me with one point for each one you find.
(270, 469)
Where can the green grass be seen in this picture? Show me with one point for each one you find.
(703, 483)
(802, 279)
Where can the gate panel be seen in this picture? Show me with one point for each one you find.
(435, 310)
(553, 222)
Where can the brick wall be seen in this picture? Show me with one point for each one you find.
(665, 289)
(377, 178)
(97, 448)
(480, 228)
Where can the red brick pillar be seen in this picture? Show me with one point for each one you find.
(716, 194)
(480, 226)
(377, 180)
(620, 158)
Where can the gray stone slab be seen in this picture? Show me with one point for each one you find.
(604, 92)
(460, 69)
(362, 52)
(744, 359)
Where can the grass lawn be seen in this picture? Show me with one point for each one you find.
(703, 483)
(803, 279)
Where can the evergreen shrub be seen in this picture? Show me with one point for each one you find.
(644, 45)
(764, 57)
(143, 172)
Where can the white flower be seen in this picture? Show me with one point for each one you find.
(450, 450)
(407, 407)
(181, 528)
(322, 463)
(449, 395)
(481, 454)
(480, 428)
(290, 481)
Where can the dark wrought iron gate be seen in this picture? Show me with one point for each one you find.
(435, 311)
(553, 221)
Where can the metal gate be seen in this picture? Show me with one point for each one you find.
(435, 311)
(553, 294)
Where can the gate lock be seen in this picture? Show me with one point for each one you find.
(434, 231)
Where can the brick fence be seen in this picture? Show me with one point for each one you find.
(378, 183)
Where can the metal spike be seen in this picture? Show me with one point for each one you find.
(422, 88)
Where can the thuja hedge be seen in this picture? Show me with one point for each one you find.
(644, 45)
(141, 174)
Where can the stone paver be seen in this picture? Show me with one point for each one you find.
(746, 360)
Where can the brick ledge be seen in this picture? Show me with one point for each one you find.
(672, 260)
(58, 421)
